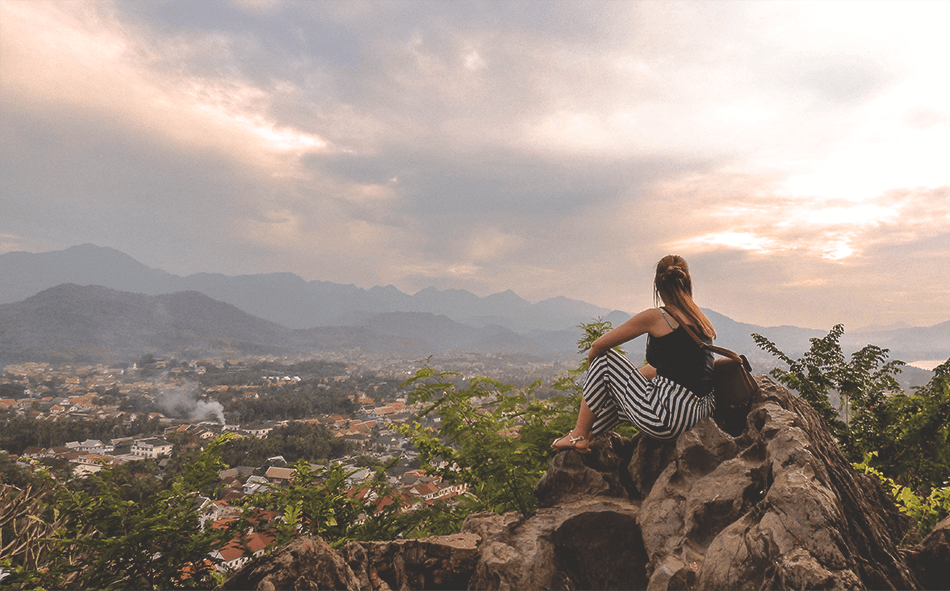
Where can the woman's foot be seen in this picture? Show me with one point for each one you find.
(580, 444)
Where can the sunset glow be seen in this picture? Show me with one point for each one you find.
(550, 149)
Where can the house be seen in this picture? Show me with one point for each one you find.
(37, 452)
(228, 474)
(215, 511)
(278, 475)
(258, 430)
(233, 556)
(452, 491)
(93, 446)
(426, 490)
(152, 447)
(256, 484)
(87, 464)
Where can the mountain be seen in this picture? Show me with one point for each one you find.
(23, 274)
(72, 323)
(95, 324)
(930, 342)
(320, 315)
(283, 298)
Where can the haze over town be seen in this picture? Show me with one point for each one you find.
(795, 153)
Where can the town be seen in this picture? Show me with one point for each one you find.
(150, 409)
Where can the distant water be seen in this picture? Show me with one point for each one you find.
(927, 364)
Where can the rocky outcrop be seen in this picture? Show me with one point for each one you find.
(768, 504)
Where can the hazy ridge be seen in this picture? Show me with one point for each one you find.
(89, 302)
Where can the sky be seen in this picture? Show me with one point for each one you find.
(795, 153)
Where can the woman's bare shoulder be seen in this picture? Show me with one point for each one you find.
(648, 321)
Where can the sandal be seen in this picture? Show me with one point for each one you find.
(573, 445)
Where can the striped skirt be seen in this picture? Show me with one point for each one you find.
(615, 390)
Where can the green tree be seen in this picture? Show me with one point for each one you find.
(917, 446)
(12, 473)
(862, 383)
(492, 437)
(98, 535)
(27, 526)
(320, 502)
(903, 439)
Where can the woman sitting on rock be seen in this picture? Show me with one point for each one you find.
(668, 395)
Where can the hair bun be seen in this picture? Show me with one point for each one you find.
(675, 272)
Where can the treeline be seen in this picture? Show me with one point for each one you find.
(237, 374)
(20, 432)
(285, 401)
(294, 441)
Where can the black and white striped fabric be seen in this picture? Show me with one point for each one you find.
(615, 390)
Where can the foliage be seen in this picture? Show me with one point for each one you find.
(320, 502)
(491, 436)
(863, 384)
(12, 473)
(902, 438)
(295, 441)
(286, 401)
(926, 511)
(98, 537)
(26, 526)
(917, 449)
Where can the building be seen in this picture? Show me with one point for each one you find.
(152, 448)
(233, 556)
(278, 475)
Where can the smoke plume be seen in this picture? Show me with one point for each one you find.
(183, 403)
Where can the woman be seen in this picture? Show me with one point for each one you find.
(668, 395)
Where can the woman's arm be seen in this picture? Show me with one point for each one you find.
(642, 323)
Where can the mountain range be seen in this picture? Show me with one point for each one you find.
(284, 298)
(89, 302)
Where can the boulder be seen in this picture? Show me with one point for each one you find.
(931, 558)
(439, 562)
(304, 563)
(771, 505)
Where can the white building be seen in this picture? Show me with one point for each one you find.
(152, 447)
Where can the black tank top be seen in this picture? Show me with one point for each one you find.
(678, 358)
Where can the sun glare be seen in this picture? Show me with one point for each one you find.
(730, 239)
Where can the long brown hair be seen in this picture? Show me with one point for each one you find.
(674, 286)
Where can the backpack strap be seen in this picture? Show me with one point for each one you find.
(721, 351)
(667, 318)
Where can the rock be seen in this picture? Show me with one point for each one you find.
(304, 563)
(575, 476)
(440, 562)
(931, 558)
(587, 544)
(769, 505)
(776, 506)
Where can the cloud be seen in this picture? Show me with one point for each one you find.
(826, 227)
(555, 149)
(77, 58)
